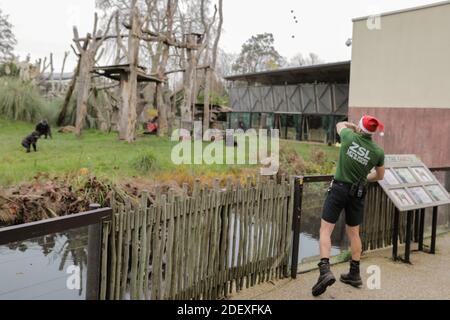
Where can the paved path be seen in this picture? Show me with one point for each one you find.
(428, 278)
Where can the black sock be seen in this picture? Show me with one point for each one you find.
(355, 267)
(325, 261)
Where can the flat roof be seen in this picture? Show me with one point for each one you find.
(114, 73)
(389, 13)
(337, 72)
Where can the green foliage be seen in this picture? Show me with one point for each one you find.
(145, 162)
(23, 101)
(8, 39)
(258, 54)
(215, 99)
(344, 256)
(317, 162)
(50, 110)
(20, 101)
(9, 69)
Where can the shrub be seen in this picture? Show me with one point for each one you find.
(9, 69)
(291, 163)
(50, 110)
(145, 162)
(20, 101)
(318, 156)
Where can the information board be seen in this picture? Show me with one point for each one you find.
(411, 185)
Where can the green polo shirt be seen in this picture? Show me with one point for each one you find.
(358, 156)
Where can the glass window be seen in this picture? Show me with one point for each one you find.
(52, 267)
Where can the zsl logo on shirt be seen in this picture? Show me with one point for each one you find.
(359, 154)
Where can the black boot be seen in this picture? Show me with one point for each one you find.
(354, 277)
(326, 279)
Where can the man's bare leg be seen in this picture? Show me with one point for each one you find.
(353, 278)
(326, 231)
(355, 240)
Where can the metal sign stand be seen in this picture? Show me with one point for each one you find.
(419, 239)
(412, 188)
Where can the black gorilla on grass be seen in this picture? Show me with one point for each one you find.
(31, 141)
(43, 128)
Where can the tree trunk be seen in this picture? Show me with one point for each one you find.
(124, 109)
(87, 61)
(186, 107)
(51, 77)
(61, 86)
(129, 85)
(209, 71)
(161, 103)
(162, 110)
(207, 101)
(63, 113)
(83, 86)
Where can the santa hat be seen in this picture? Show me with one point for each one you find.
(370, 125)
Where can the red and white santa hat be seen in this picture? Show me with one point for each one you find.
(371, 125)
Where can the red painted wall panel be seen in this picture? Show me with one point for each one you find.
(421, 131)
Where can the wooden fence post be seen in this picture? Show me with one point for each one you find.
(296, 223)
(94, 258)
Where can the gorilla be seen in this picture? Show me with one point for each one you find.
(43, 128)
(31, 141)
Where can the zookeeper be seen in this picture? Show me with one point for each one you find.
(361, 161)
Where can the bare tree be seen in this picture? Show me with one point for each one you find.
(51, 77)
(163, 105)
(128, 115)
(166, 43)
(66, 55)
(299, 61)
(65, 108)
(88, 54)
(211, 70)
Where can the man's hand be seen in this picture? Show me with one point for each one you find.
(376, 175)
(346, 125)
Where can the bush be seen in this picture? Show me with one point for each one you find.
(9, 69)
(145, 162)
(292, 163)
(318, 156)
(51, 110)
(20, 101)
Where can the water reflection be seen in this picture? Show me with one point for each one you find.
(310, 236)
(36, 269)
(313, 200)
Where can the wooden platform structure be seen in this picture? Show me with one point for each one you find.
(121, 72)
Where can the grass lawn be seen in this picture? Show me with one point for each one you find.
(103, 154)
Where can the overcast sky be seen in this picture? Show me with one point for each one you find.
(323, 27)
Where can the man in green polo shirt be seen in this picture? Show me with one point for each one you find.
(360, 161)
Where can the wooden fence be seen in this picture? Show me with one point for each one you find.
(216, 241)
(378, 226)
(203, 246)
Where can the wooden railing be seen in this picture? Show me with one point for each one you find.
(202, 246)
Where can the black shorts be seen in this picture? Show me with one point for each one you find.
(338, 200)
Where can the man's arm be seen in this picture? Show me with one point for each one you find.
(377, 174)
(346, 125)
